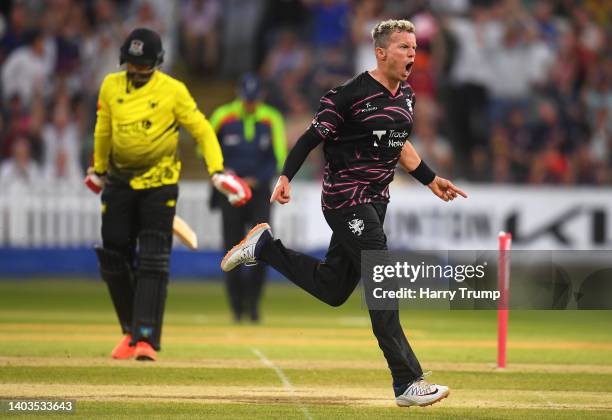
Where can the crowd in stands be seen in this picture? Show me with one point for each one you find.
(53, 57)
(508, 91)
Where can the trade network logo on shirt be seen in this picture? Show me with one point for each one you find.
(395, 138)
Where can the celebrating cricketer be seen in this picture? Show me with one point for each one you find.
(364, 126)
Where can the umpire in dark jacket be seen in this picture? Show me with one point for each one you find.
(252, 138)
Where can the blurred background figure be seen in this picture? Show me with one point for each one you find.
(99, 49)
(366, 14)
(27, 69)
(61, 148)
(252, 138)
(14, 30)
(329, 23)
(429, 144)
(238, 36)
(20, 171)
(476, 36)
(200, 34)
(287, 67)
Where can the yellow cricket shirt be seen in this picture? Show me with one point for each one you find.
(136, 133)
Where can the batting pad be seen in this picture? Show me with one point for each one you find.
(151, 286)
(117, 274)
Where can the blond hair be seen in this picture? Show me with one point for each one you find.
(383, 30)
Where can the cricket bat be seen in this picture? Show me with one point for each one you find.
(184, 233)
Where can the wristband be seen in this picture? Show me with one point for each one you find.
(423, 173)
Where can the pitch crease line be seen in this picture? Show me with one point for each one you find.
(281, 375)
(547, 401)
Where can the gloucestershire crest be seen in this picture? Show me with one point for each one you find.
(136, 47)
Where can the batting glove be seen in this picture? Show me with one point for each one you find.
(94, 181)
(237, 191)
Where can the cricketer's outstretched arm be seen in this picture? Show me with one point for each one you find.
(441, 187)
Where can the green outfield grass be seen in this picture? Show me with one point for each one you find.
(57, 335)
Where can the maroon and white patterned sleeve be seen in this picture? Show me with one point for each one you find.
(329, 116)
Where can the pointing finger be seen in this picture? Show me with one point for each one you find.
(456, 190)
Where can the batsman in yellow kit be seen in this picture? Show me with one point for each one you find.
(136, 167)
